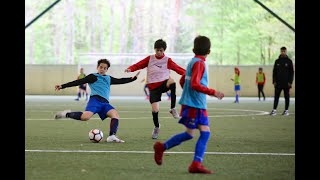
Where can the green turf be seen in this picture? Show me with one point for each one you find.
(235, 128)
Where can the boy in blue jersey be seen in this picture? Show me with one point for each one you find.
(193, 107)
(99, 98)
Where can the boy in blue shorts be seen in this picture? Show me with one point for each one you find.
(193, 107)
(236, 81)
(99, 98)
(82, 87)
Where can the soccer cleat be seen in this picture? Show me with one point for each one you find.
(273, 112)
(61, 114)
(77, 99)
(285, 113)
(114, 138)
(155, 132)
(158, 152)
(174, 113)
(196, 167)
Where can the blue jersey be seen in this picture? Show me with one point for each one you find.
(189, 96)
(101, 87)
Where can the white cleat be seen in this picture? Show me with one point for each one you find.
(61, 114)
(273, 113)
(114, 138)
(285, 113)
(155, 132)
(174, 113)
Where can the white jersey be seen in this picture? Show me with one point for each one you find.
(157, 69)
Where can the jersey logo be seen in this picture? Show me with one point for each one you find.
(158, 66)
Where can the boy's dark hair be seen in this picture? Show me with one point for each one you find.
(260, 68)
(160, 44)
(104, 61)
(283, 48)
(201, 45)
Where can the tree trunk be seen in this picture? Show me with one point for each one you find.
(70, 33)
(111, 26)
(93, 25)
(238, 53)
(31, 42)
(176, 24)
(123, 27)
(269, 49)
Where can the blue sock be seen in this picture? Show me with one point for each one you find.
(237, 97)
(79, 95)
(74, 115)
(114, 123)
(177, 139)
(201, 146)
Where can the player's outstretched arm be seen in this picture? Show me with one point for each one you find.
(173, 66)
(218, 95)
(88, 79)
(123, 80)
(139, 65)
(182, 80)
(57, 87)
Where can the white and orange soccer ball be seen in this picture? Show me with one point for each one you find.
(95, 135)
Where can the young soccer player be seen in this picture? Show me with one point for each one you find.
(193, 107)
(99, 98)
(260, 81)
(236, 81)
(145, 88)
(82, 89)
(159, 81)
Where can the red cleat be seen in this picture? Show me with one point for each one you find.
(196, 167)
(158, 152)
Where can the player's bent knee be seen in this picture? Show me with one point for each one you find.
(85, 118)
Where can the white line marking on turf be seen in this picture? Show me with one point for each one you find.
(151, 152)
(255, 113)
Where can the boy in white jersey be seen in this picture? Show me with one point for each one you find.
(99, 84)
(159, 81)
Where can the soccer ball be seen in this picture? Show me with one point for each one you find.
(95, 135)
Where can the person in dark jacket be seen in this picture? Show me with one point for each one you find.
(282, 78)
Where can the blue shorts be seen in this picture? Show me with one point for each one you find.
(237, 87)
(96, 105)
(192, 117)
(83, 87)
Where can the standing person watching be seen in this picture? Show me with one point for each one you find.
(282, 78)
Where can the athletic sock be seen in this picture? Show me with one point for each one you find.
(201, 146)
(114, 123)
(172, 88)
(74, 115)
(177, 139)
(155, 119)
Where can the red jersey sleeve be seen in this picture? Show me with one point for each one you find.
(182, 80)
(197, 73)
(173, 66)
(140, 65)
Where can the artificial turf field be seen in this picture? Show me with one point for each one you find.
(245, 143)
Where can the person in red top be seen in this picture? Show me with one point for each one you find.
(158, 80)
(260, 81)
